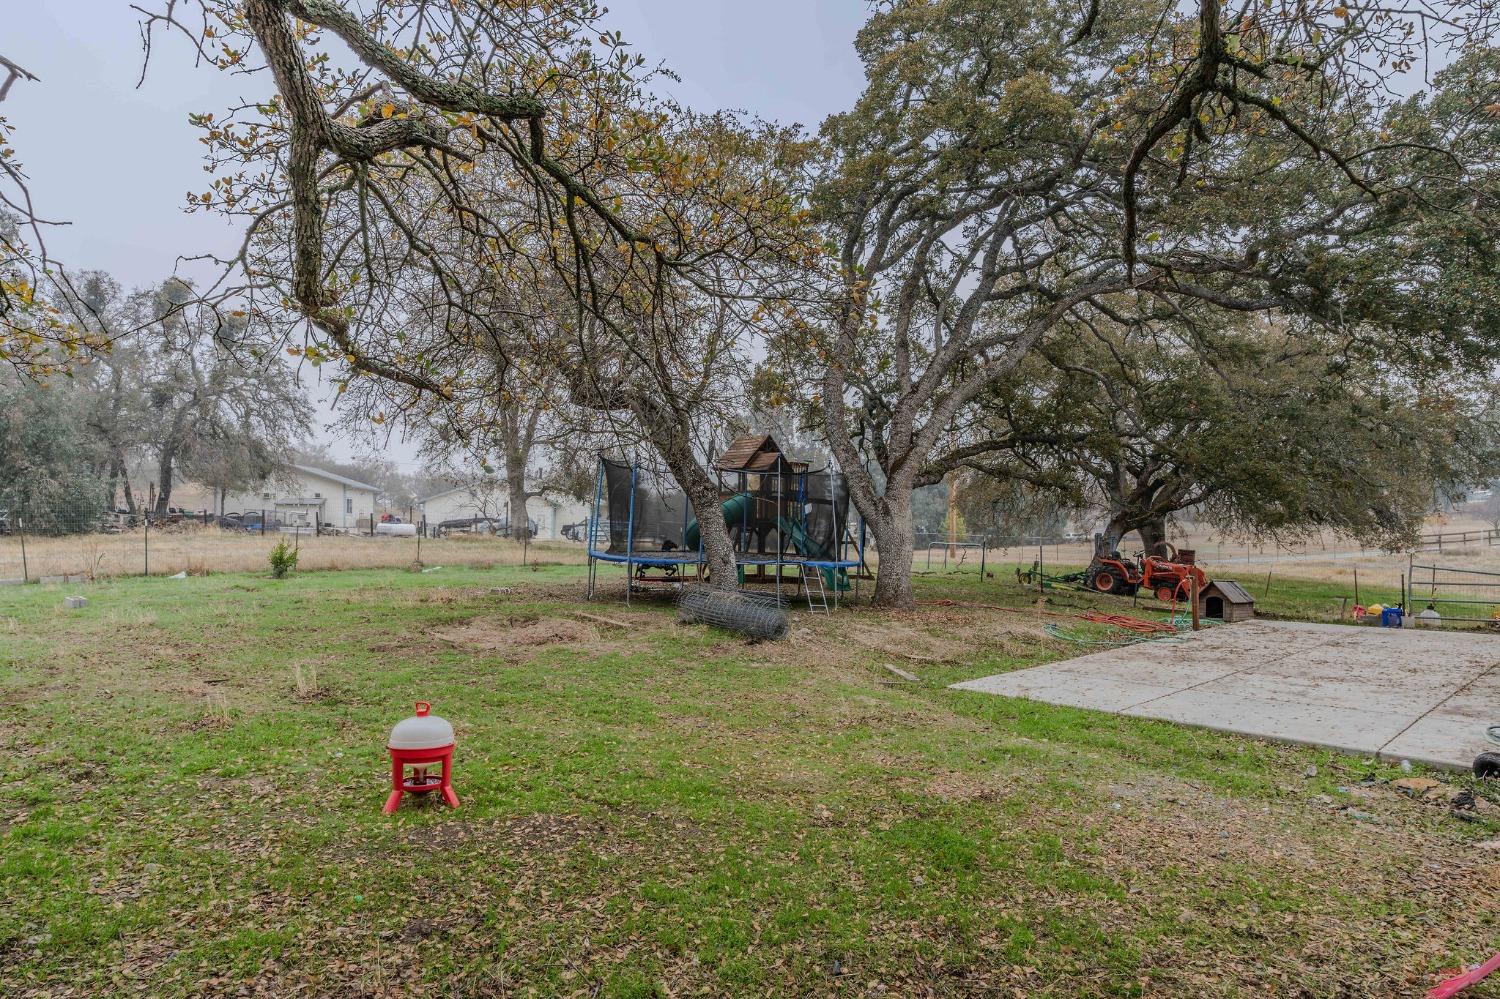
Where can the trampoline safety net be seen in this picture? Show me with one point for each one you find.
(813, 508)
(827, 510)
(661, 512)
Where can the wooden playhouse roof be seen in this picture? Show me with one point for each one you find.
(756, 453)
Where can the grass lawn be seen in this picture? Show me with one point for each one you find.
(193, 773)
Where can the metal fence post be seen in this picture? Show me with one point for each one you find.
(21, 527)
(146, 549)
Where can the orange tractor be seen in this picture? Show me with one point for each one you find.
(1166, 576)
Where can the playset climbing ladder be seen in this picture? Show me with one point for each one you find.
(813, 588)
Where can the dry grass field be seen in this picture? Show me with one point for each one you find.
(1329, 558)
(203, 550)
(199, 551)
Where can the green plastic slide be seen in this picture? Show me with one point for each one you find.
(737, 507)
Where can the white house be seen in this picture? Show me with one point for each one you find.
(487, 499)
(303, 496)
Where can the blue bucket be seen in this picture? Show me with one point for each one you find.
(1390, 617)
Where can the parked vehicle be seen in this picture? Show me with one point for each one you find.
(498, 526)
(1165, 577)
(5, 527)
(469, 525)
(252, 522)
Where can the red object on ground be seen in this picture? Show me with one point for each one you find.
(1473, 976)
(423, 741)
(1134, 624)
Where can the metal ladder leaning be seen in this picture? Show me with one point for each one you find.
(812, 585)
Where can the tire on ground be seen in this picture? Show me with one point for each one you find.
(1487, 765)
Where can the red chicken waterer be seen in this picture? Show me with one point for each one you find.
(419, 743)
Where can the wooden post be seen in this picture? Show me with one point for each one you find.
(1193, 595)
(1267, 590)
(25, 570)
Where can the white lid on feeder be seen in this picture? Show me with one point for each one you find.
(424, 731)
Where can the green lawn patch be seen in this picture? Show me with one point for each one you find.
(665, 809)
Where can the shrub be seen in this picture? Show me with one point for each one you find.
(283, 559)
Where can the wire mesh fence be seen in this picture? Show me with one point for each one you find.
(746, 614)
(59, 544)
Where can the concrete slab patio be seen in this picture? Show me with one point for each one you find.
(1425, 696)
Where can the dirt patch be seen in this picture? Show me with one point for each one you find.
(909, 639)
(521, 637)
(906, 641)
(390, 596)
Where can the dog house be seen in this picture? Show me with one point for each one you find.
(1227, 601)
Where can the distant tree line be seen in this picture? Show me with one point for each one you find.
(172, 397)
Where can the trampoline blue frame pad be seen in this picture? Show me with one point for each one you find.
(663, 558)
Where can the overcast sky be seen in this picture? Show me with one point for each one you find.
(117, 161)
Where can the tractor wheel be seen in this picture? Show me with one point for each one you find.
(1487, 765)
(1106, 581)
(1164, 594)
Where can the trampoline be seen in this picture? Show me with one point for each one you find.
(780, 515)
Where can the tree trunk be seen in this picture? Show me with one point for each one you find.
(125, 481)
(164, 477)
(115, 472)
(1153, 533)
(1114, 532)
(718, 550)
(520, 524)
(891, 528)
